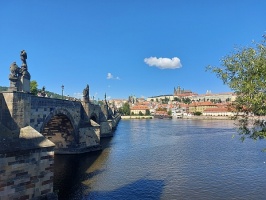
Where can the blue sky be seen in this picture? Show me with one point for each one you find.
(124, 47)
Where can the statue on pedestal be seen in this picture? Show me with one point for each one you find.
(24, 67)
(86, 93)
(43, 93)
(14, 71)
(20, 77)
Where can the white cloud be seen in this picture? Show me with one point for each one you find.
(78, 95)
(163, 63)
(111, 76)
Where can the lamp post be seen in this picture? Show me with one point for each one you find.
(62, 90)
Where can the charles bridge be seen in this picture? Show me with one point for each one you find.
(34, 128)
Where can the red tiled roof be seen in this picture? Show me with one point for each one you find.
(139, 107)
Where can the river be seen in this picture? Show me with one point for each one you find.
(166, 159)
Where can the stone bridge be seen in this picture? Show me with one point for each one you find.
(73, 126)
(33, 128)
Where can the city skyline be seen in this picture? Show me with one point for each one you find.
(123, 48)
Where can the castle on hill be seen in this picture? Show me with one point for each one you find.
(208, 96)
(182, 92)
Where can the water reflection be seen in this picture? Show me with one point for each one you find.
(73, 171)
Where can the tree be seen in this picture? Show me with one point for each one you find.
(186, 100)
(197, 113)
(125, 109)
(2, 88)
(34, 87)
(147, 112)
(177, 99)
(244, 71)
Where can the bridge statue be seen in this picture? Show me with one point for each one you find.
(23, 57)
(86, 93)
(24, 67)
(14, 70)
(20, 77)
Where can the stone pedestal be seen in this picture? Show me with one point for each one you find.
(13, 85)
(25, 84)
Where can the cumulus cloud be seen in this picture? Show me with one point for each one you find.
(163, 63)
(111, 76)
(78, 95)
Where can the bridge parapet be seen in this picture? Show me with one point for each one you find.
(43, 109)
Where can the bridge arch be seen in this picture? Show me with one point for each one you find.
(95, 118)
(59, 127)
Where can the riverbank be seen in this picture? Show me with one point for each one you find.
(136, 117)
(207, 117)
(184, 117)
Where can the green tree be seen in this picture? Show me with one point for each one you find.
(186, 100)
(177, 99)
(2, 88)
(197, 113)
(244, 71)
(34, 87)
(147, 112)
(125, 110)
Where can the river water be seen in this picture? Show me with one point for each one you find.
(166, 159)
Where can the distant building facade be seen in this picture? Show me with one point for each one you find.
(139, 108)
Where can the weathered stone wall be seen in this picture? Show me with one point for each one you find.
(15, 110)
(43, 108)
(116, 119)
(106, 128)
(90, 135)
(93, 111)
(26, 166)
(26, 174)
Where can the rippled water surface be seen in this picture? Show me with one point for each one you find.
(166, 159)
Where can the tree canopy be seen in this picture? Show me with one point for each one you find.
(244, 71)
(125, 109)
(34, 87)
